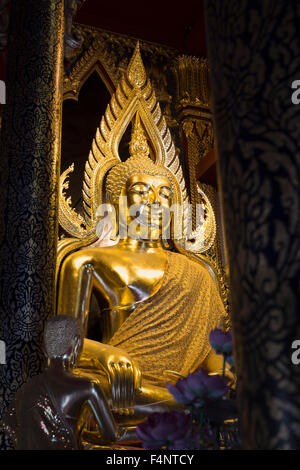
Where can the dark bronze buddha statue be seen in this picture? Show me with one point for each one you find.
(50, 410)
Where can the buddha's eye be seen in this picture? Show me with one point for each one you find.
(141, 190)
(165, 194)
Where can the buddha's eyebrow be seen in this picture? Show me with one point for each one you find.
(139, 184)
(168, 188)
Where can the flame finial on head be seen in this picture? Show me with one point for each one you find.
(138, 145)
(136, 73)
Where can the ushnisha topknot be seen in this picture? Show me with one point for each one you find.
(138, 162)
(120, 173)
(59, 334)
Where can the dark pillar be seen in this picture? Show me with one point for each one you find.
(254, 52)
(29, 170)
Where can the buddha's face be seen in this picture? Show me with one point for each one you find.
(152, 195)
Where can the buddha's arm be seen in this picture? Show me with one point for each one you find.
(75, 288)
(79, 275)
(77, 279)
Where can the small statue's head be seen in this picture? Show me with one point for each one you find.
(148, 189)
(63, 339)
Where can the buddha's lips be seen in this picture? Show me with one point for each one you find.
(151, 211)
(151, 215)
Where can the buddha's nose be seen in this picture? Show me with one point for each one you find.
(156, 199)
(153, 198)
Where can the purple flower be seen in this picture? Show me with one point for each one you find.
(221, 342)
(208, 440)
(199, 389)
(170, 431)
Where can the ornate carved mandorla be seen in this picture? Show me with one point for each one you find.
(134, 93)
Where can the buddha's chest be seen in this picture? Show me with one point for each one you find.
(133, 279)
(128, 284)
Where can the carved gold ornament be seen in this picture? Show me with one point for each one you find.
(202, 239)
(133, 100)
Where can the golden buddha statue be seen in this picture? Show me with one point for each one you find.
(160, 305)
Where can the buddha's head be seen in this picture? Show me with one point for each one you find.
(144, 191)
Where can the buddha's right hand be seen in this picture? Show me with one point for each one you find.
(123, 375)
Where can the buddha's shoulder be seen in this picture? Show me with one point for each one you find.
(112, 255)
(94, 254)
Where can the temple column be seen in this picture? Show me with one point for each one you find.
(194, 116)
(29, 171)
(254, 51)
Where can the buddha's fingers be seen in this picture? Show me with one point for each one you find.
(137, 378)
(123, 388)
(130, 389)
(112, 379)
(118, 385)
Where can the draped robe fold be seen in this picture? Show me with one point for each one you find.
(170, 330)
